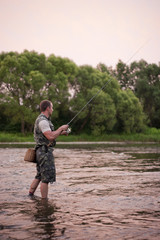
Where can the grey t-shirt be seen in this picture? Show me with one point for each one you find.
(44, 126)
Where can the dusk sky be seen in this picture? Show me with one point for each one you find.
(85, 31)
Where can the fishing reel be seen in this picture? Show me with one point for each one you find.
(68, 130)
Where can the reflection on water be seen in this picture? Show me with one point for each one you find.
(34, 219)
(99, 194)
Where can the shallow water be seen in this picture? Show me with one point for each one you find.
(99, 194)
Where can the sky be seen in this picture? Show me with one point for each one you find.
(88, 32)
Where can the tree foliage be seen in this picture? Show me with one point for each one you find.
(129, 112)
(22, 86)
(27, 78)
(144, 80)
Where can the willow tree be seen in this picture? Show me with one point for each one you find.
(60, 73)
(113, 109)
(22, 86)
(100, 115)
(130, 116)
(147, 88)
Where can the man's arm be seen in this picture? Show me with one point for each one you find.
(52, 135)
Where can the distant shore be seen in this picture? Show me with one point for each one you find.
(83, 144)
(150, 136)
(77, 143)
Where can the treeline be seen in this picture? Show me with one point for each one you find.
(128, 103)
(144, 80)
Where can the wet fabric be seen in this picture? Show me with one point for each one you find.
(46, 171)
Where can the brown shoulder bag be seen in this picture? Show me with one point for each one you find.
(30, 155)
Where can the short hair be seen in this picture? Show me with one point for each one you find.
(44, 104)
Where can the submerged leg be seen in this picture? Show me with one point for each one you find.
(34, 186)
(44, 190)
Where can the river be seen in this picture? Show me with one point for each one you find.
(102, 193)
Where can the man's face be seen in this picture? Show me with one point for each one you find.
(50, 109)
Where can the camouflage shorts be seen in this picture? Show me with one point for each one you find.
(46, 171)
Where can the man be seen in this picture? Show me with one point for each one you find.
(45, 136)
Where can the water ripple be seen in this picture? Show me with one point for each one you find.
(99, 194)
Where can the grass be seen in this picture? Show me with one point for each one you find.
(15, 137)
(150, 135)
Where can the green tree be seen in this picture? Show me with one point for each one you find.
(130, 116)
(99, 115)
(122, 73)
(147, 89)
(60, 73)
(103, 113)
(21, 86)
(144, 80)
(29, 77)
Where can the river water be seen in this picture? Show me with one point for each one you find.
(109, 194)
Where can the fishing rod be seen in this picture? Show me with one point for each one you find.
(69, 129)
(88, 102)
(138, 49)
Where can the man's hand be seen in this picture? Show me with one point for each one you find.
(64, 127)
(64, 133)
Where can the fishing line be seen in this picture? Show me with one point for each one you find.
(69, 129)
(138, 50)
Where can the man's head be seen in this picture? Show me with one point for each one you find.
(46, 106)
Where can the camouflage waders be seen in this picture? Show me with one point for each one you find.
(46, 171)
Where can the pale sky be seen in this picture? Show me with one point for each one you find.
(85, 31)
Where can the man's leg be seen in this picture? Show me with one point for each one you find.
(34, 186)
(44, 190)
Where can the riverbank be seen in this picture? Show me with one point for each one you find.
(150, 135)
(86, 145)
